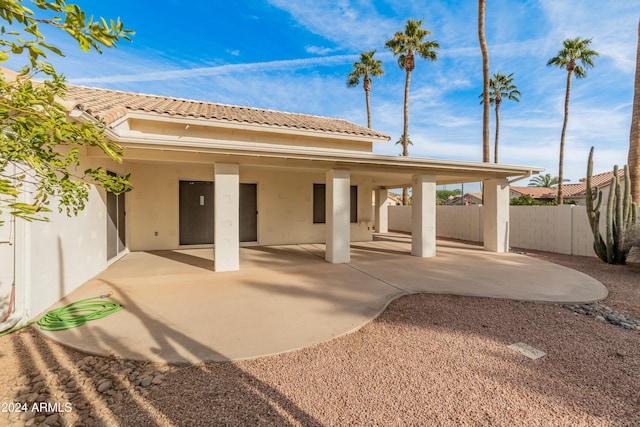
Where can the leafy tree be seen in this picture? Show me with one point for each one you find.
(573, 51)
(365, 69)
(405, 45)
(39, 147)
(501, 87)
(523, 200)
(633, 160)
(443, 195)
(482, 6)
(544, 181)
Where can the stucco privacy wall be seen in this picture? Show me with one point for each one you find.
(55, 257)
(560, 229)
(285, 204)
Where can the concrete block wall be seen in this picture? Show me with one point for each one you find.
(400, 218)
(559, 229)
(460, 222)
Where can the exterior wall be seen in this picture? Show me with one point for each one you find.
(460, 222)
(285, 204)
(400, 218)
(52, 258)
(559, 229)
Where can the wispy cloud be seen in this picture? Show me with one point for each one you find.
(219, 70)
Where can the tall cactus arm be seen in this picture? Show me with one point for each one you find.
(628, 205)
(599, 246)
(589, 192)
(620, 224)
(610, 221)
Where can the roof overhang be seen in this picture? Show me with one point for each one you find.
(391, 171)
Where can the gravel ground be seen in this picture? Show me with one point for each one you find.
(427, 360)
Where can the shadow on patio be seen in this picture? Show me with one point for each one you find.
(287, 297)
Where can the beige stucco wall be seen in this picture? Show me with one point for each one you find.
(285, 204)
(55, 257)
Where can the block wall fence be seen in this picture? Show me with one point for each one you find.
(559, 229)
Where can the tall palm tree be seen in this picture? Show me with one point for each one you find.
(545, 181)
(573, 51)
(633, 161)
(501, 87)
(365, 69)
(405, 45)
(486, 148)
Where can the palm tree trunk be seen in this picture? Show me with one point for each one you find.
(564, 130)
(633, 161)
(486, 147)
(405, 135)
(367, 95)
(495, 146)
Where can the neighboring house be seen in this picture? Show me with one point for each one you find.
(208, 175)
(469, 199)
(572, 192)
(544, 194)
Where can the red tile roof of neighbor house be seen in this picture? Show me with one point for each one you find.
(569, 190)
(603, 178)
(110, 105)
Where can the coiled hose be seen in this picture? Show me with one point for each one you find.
(73, 315)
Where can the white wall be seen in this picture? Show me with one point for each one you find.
(560, 229)
(285, 204)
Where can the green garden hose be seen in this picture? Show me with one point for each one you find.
(73, 315)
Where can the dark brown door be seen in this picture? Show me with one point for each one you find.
(248, 212)
(196, 212)
(116, 231)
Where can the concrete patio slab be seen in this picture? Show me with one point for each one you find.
(177, 310)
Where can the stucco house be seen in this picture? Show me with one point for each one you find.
(208, 175)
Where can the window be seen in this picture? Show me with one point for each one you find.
(319, 203)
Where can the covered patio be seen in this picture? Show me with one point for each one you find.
(178, 310)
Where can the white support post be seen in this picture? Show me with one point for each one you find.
(382, 211)
(496, 215)
(423, 216)
(226, 217)
(338, 202)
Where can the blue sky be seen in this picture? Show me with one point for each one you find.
(292, 55)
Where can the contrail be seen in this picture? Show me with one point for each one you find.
(217, 70)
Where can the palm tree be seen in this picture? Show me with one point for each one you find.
(405, 45)
(501, 87)
(573, 51)
(545, 181)
(633, 161)
(365, 69)
(401, 141)
(486, 148)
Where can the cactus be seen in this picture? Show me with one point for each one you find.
(621, 214)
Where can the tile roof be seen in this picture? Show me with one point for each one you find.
(110, 105)
(603, 178)
(537, 192)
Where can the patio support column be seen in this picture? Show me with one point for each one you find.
(496, 215)
(382, 211)
(338, 213)
(226, 217)
(423, 216)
